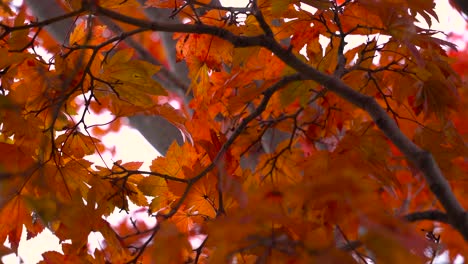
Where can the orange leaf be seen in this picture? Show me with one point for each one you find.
(19, 38)
(13, 215)
(78, 145)
(170, 246)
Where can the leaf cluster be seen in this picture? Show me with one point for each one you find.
(299, 146)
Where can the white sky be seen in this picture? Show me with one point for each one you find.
(132, 146)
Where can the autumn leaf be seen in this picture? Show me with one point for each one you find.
(446, 146)
(289, 121)
(278, 7)
(14, 160)
(78, 145)
(12, 58)
(132, 74)
(390, 248)
(5, 251)
(19, 39)
(5, 8)
(152, 185)
(134, 194)
(202, 198)
(132, 80)
(330, 59)
(170, 245)
(120, 4)
(172, 165)
(372, 148)
(14, 214)
(84, 34)
(163, 4)
(359, 14)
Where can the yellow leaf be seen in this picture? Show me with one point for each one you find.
(202, 82)
(9, 58)
(388, 249)
(115, 250)
(152, 185)
(278, 7)
(118, 3)
(81, 35)
(5, 9)
(73, 4)
(44, 208)
(162, 201)
(297, 90)
(252, 27)
(132, 79)
(120, 57)
(78, 35)
(134, 193)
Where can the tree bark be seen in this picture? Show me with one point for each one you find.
(462, 6)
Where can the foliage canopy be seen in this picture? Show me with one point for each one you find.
(300, 146)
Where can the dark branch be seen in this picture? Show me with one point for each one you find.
(422, 159)
(433, 215)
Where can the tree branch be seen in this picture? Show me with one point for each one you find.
(157, 131)
(47, 9)
(433, 215)
(422, 159)
(267, 94)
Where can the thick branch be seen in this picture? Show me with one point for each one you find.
(462, 5)
(422, 159)
(433, 215)
(48, 9)
(180, 69)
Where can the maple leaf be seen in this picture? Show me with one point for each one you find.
(13, 159)
(76, 144)
(19, 39)
(83, 35)
(290, 129)
(170, 245)
(357, 14)
(132, 79)
(446, 144)
(180, 156)
(10, 59)
(14, 214)
(202, 197)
